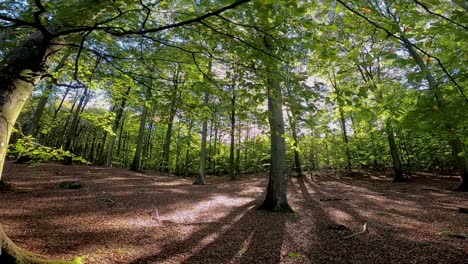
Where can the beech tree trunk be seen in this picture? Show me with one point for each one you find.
(118, 117)
(135, 166)
(20, 71)
(276, 199)
(232, 166)
(297, 158)
(200, 180)
(397, 168)
(164, 166)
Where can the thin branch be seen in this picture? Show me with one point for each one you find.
(178, 24)
(439, 15)
(452, 79)
(83, 39)
(37, 18)
(242, 41)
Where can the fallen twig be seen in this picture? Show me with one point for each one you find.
(107, 199)
(364, 229)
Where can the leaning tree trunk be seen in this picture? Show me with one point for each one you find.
(454, 140)
(276, 199)
(200, 180)
(34, 126)
(20, 71)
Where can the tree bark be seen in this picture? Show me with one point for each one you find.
(454, 140)
(34, 126)
(20, 71)
(200, 180)
(164, 166)
(297, 158)
(232, 166)
(136, 163)
(118, 117)
(397, 168)
(276, 198)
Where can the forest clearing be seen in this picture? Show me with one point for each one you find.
(233, 131)
(120, 216)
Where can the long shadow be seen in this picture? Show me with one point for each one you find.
(382, 242)
(38, 205)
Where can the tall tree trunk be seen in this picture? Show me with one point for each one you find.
(119, 112)
(394, 152)
(187, 151)
(34, 125)
(297, 158)
(164, 166)
(178, 149)
(200, 180)
(20, 71)
(276, 199)
(136, 163)
(232, 166)
(119, 145)
(75, 120)
(454, 140)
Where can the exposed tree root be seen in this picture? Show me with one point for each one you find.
(12, 254)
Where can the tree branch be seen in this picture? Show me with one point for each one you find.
(439, 15)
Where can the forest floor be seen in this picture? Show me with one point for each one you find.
(120, 216)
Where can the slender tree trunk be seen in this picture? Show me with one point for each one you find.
(178, 150)
(75, 120)
(394, 152)
(297, 158)
(454, 140)
(34, 126)
(119, 145)
(187, 152)
(276, 199)
(119, 112)
(200, 180)
(232, 166)
(164, 166)
(136, 163)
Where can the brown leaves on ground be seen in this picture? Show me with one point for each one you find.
(118, 216)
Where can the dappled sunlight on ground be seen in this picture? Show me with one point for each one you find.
(120, 216)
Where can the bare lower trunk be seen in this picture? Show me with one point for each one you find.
(297, 158)
(276, 199)
(232, 168)
(397, 168)
(200, 180)
(118, 117)
(462, 164)
(135, 166)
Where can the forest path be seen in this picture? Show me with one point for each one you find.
(120, 216)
